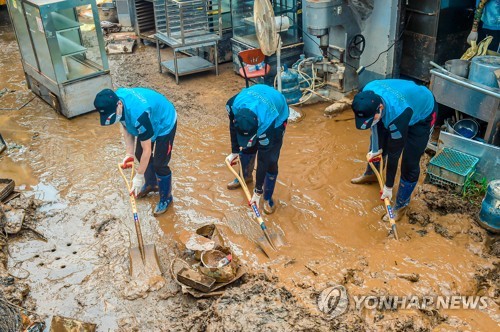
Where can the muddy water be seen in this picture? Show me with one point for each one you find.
(330, 225)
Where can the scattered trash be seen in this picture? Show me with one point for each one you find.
(413, 277)
(14, 221)
(6, 188)
(210, 265)
(3, 145)
(213, 265)
(63, 324)
(110, 27)
(195, 279)
(312, 270)
(119, 43)
(14, 100)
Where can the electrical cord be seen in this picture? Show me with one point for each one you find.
(392, 45)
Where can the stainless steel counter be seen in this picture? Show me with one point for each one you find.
(476, 100)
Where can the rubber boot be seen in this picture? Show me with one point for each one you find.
(151, 184)
(403, 197)
(269, 184)
(247, 164)
(165, 186)
(368, 176)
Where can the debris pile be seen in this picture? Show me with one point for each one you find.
(208, 265)
(16, 216)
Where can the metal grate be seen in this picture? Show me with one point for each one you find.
(451, 167)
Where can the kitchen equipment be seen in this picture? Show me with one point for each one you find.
(482, 70)
(458, 67)
(467, 128)
(62, 52)
(190, 25)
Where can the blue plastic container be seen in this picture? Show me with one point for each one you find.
(290, 86)
(489, 216)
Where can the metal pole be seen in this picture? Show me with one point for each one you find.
(278, 60)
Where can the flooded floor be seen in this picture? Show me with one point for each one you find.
(331, 226)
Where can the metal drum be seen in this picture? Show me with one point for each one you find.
(490, 209)
(482, 70)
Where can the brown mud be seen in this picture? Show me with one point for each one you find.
(331, 226)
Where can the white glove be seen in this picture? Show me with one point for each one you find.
(372, 155)
(472, 36)
(127, 161)
(255, 199)
(231, 158)
(386, 193)
(137, 184)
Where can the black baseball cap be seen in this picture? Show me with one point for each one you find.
(246, 124)
(365, 105)
(105, 103)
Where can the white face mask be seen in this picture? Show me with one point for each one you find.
(117, 118)
(375, 122)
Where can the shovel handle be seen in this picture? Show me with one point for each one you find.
(137, 223)
(387, 201)
(248, 195)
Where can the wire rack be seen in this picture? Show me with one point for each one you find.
(451, 168)
(193, 21)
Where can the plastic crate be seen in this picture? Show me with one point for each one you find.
(451, 168)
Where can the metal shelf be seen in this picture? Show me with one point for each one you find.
(190, 65)
(69, 47)
(62, 23)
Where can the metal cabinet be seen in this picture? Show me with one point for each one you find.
(435, 30)
(62, 51)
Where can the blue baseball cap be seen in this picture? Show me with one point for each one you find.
(246, 124)
(365, 105)
(105, 103)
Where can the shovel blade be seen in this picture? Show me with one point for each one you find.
(270, 244)
(150, 267)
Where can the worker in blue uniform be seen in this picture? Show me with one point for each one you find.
(148, 116)
(404, 114)
(486, 23)
(257, 121)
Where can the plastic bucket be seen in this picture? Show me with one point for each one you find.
(489, 216)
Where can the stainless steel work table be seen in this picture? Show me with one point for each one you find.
(191, 64)
(477, 100)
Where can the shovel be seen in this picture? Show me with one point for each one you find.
(267, 246)
(143, 259)
(380, 178)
